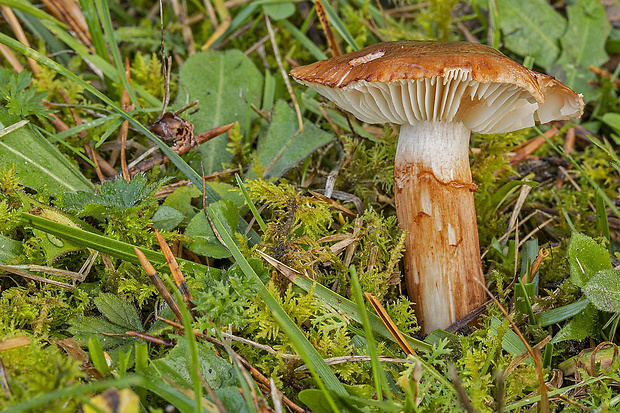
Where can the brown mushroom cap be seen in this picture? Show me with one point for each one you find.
(410, 81)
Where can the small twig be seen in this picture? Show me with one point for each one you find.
(122, 134)
(350, 359)
(148, 337)
(389, 324)
(33, 277)
(287, 82)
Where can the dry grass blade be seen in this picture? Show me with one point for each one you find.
(284, 269)
(327, 28)
(179, 279)
(522, 357)
(159, 284)
(14, 342)
(12, 270)
(19, 33)
(350, 359)
(122, 134)
(287, 82)
(389, 323)
(543, 405)
(530, 146)
(542, 254)
(217, 33)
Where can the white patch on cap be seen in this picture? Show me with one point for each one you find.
(366, 58)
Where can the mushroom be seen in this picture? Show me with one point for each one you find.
(439, 92)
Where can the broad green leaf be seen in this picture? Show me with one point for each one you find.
(86, 328)
(285, 146)
(232, 399)
(561, 313)
(279, 11)
(583, 45)
(118, 311)
(167, 218)
(603, 290)
(586, 258)
(9, 250)
(181, 200)
(584, 324)
(612, 120)
(213, 368)
(205, 242)
(225, 83)
(38, 163)
(532, 28)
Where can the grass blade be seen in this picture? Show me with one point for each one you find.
(110, 34)
(314, 358)
(248, 201)
(114, 248)
(377, 372)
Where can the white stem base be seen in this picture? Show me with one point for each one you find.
(435, 204)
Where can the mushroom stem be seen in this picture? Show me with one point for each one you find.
(435, 205)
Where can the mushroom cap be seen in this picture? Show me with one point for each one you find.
(411, 81)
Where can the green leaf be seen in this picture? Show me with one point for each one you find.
(181, 200)
(584, 324)
(532, 28)
(167, 218)
(583, 44)
(118, 311)
(225, 83)
(85, 328)
(114, 248)
(175, 366)
(9, 250)
(284, 146)
(205, 242)
(586, 258)
(279, 11)
(561, 313)
(117, 194)
(603, 290)
(38, 163)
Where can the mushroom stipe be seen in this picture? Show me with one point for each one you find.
(439, 92)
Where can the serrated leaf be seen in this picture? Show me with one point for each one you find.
(603, 290)
(167, 218)
(205, 242)
(118, 311)
(583, 45)
(117, 194)
(579, 327)
(284, 146)
(92, 327)
(531, 28)
(586, 258)
(175, 366)
(225, 83)
(38, 163)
